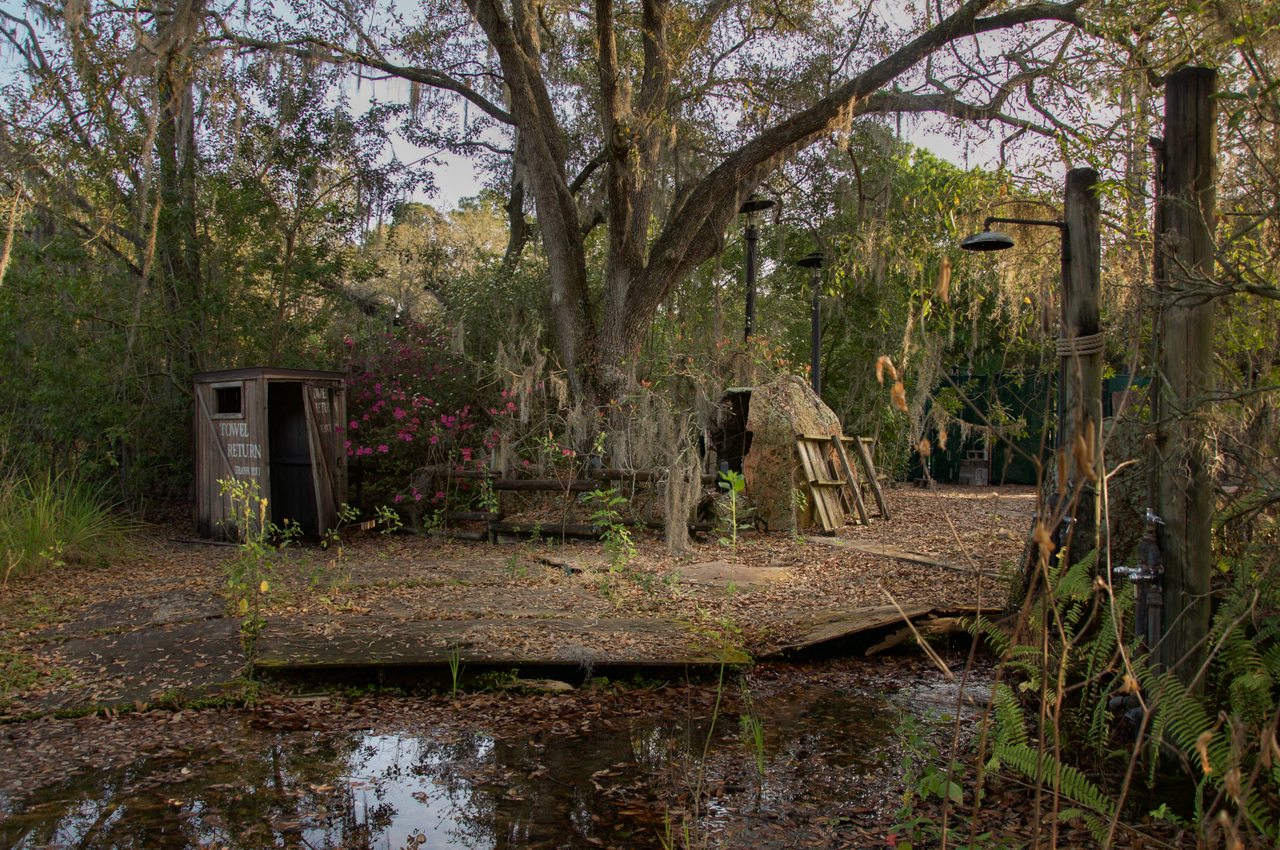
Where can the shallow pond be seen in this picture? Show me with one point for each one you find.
(826, 754)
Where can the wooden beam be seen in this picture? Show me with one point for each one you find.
(855, 489)
(1080, 351)
(869, 466)
(1184, 493)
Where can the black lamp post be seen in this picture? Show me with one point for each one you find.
(813, 262)
(994, 240)
(749, 208)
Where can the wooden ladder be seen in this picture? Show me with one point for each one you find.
(826, 487)
(862, 448)
(834, 489)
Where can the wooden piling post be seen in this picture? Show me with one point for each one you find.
(1185, 487)
(1081, 351)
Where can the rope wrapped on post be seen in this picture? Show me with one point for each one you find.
(1080, 346)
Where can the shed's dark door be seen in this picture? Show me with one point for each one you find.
(293, 494)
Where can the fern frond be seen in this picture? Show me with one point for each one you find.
(1010, 724)
(1044, 768)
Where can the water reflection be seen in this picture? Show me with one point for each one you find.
(441, 789)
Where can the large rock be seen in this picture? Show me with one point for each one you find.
(776, 413)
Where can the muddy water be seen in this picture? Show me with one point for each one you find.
(827, 755)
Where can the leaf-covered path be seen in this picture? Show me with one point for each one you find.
(157, 628)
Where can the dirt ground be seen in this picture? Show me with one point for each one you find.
(124, 685)
(156, 626)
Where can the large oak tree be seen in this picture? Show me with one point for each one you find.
(654, 119)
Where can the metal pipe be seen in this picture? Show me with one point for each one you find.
(753, 236)
(813, 262)
(815, 332)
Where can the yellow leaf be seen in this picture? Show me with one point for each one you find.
(264, 587)
(942, 288)
(243, 606)
(885, 364)
(1202, 748)
(1043, 540)
(898, 395)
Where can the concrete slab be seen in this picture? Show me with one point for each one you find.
(186, 660)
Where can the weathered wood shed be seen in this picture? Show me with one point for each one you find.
(274, 427)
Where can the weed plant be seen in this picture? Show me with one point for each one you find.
(752, 729)
(454, 656)
(734, 484)
(250, 573)
(615, 535)
(50, 520)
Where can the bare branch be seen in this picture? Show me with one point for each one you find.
(325, 51)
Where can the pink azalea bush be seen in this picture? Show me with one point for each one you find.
(411, 404)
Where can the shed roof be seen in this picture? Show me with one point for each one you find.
(269, 373)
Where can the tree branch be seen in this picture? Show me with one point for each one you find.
(335, 54)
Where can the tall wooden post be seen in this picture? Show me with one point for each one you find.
(1185, 243)
(1080, 350)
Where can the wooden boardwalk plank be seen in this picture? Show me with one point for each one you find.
(362, 642)
(838, 625)
(887, 550)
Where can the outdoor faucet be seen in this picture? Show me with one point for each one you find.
(1148, 590)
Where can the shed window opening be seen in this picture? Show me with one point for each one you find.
(228, 400)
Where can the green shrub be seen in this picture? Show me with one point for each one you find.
(48, 519)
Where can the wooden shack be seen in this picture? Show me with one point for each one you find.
(274, 427)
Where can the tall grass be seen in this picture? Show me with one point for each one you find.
(48, 520)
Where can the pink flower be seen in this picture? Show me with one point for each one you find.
(567, 453)
(439, 495)
(435, 438)
(466, 453)
(382, 448)
(399, 413)
(353, 425)
(399, 498)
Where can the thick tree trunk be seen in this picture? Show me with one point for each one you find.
(177, 241)
(640, 270)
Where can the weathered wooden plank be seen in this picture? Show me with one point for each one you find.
(637, 475)
(851, 478)
(824, 489)
(869, 466)
(839, 625)
(819, 506)
(886, 550)
(568, 529)
(365, 643)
